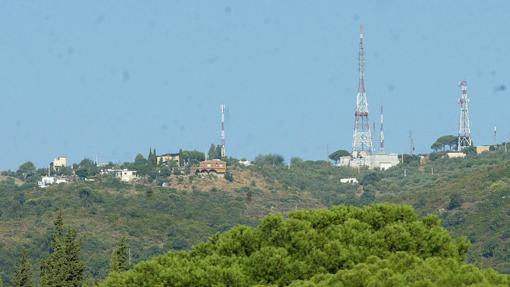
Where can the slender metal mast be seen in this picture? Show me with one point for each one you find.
(362, 139)
(411, 142)
(381, 135)
(222, 109)
(464, 139)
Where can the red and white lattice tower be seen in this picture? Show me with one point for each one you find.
(362, 139)
(464, 139)
(222, 109)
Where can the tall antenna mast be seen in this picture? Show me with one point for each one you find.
(411, 142)
(222, 109)
(374, 140)
(362, 140)
(464, 139)
(495, 135)
(381, 134)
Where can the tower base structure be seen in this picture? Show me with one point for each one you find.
(372, 161)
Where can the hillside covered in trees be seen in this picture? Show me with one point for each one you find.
(379, 245)
(471, 196)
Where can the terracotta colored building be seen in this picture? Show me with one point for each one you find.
(211, 166)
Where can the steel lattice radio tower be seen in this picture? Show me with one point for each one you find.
(465, 139)
(222, 109)
(362, 139)
(381, 132)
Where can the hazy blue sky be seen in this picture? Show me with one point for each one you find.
(113, 78)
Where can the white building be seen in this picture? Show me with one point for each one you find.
(50, 180)
(46, 181)
(124, 175)
(351, 180)
(456, 155)
(372, 161)
(245, 162)
(59, 162)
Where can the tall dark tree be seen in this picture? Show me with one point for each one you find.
(218, 152)
(152, 157)
(63, 266)
(269, 160)
(26, 170)
(53, 267)
(338, 154)
(120, 257)
(211, 154)
(23, 275)
(75, 267)
(442, 142)
(190, 157)
(141, 165)
(86, 168)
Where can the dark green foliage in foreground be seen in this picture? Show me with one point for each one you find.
(23, 275)
(403, 269)
(340, 246)
(156, 220)
(120, 257)
(63, 267)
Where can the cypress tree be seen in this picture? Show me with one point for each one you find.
(63, 266)
(74, 266)
(211, 154)
(52, 268)
(218, 152)
(23, 275)
(120, 257)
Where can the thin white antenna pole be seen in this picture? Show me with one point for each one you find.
(495, 135)
(222, 109)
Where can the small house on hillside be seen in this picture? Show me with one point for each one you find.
(124, 175)
(351, 180)
(214, 166)
(482, 149)
(456, 155)
(50, 180)
(168, 157)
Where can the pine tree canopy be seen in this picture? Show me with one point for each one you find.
(378, 245)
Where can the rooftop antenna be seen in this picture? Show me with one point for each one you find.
(222, 109)
(362, 140)
(464, 139)
(381, 134)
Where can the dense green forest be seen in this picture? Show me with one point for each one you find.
(471, 196)
(379, 245)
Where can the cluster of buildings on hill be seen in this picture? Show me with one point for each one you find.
(210, 166)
